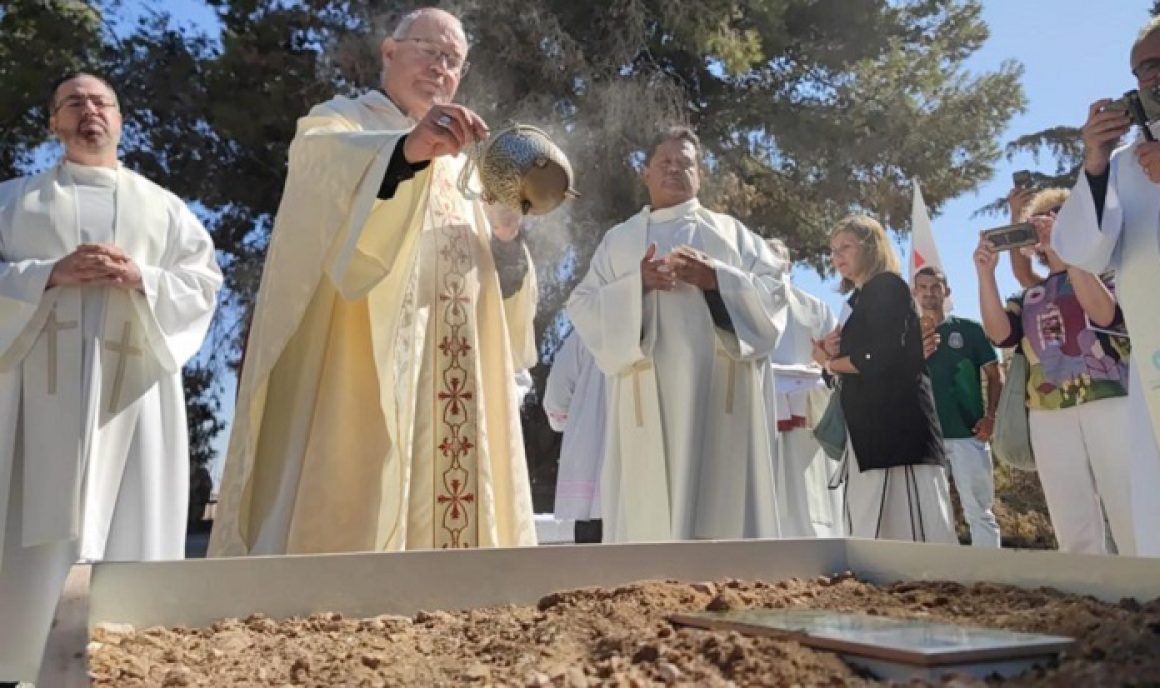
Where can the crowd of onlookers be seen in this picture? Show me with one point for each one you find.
(866, 415)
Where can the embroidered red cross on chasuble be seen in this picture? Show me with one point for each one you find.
(456, 415)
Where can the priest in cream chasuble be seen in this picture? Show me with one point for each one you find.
(681, 308)
(377, 408)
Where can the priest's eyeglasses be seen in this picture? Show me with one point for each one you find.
(77, 103)
(433, 53)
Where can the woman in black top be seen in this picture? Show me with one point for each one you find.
(896, 486)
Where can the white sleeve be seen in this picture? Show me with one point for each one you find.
(608, 313)
(1079, 237)
(22, 285)
(755, 296)
(826, 317)
(562, 382)
(182, 291)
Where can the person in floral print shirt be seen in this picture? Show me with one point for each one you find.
(1071, 330)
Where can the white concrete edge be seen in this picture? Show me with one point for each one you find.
(1107, 578)
(199, 592)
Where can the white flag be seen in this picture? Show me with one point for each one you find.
(923, 252)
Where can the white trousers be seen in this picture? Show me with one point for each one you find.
(1083, 458)
(806, 505)
(1145, 482)
(31, 582)
(974, 477)
(900, 503)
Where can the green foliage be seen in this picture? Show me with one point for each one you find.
(40, 40)
(808, 108)
(203, 409)
(1062, 145)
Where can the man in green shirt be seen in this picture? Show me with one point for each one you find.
(963, 358)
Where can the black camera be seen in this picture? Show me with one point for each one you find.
(1131, 105)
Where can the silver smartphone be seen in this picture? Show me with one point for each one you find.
(1009, 237)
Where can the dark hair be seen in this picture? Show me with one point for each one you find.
(69, 76)
(673, 133)
(931, 271)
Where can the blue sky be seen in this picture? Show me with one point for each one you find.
(1072, 54)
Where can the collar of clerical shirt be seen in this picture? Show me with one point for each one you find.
(89, 175)
(674, 212)
(377, 100)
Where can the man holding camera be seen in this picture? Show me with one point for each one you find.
(1112, 222)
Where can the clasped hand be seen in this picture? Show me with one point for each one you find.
(96, 265)
(827, 348)
(685, 265)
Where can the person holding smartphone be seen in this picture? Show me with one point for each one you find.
(1077, 390)
(1112, 222)
(1018, 200)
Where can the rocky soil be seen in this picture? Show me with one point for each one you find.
(620, 637)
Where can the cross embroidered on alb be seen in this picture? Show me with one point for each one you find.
(52, 327)
(638, 404)
(730, 381)
(124, 349)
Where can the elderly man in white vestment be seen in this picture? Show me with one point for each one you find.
(377, 406)
(108, 284)
(1111, 221)
(796, 398)
(681, 308)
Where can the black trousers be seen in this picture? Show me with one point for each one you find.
(588, 532)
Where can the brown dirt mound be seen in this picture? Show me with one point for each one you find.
(619, 637)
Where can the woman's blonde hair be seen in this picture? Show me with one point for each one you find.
(1044, 201)
(875, 256)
